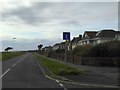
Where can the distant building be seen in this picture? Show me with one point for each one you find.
(88, 37)
(97, 37)
(47, 49)
(104, 36)
(56, 47)
(75, 41)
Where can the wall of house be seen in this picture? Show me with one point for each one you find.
(55, 48)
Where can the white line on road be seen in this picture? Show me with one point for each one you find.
(61, 84)
(9, 68)
(50, 77)
(90, 84)
(14, 65)
(5, 73)
(57, 81)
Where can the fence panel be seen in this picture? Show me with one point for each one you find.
(93, 61)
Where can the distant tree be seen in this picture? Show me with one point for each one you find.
(8, 48)
(40, 46)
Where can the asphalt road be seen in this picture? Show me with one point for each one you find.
(24, 72)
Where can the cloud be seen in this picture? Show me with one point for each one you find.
(63, 13)
(45, 21)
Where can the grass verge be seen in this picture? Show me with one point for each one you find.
(8, 55)
(58, 68)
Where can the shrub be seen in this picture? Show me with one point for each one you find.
(81, 50)
(108, 49)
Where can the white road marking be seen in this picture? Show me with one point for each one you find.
(14, 65)
(61, 84)
(18, 61)
(57, 81)
(9, 68)
(50, 77)
(5, 73)
(91, 84)
(41, 68)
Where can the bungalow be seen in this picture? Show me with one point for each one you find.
(96, 37)
(104, 36)
(88, 37)
(47, 49)
(56, 47)
(75, 41)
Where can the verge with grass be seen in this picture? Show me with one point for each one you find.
(58, 68)
(9, 55)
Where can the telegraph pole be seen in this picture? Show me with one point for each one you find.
(13, 44)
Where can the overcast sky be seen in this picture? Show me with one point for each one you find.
(34, 23)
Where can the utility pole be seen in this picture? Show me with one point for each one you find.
(13, 44)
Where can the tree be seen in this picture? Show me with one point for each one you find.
(40, 46)
(8, 48)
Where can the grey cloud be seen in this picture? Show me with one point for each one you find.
(63, 13)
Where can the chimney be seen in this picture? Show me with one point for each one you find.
(80, 36)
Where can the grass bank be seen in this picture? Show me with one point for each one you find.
(8, 55)
(58, 68)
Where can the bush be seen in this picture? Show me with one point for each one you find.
(108, 49)
(81, 50)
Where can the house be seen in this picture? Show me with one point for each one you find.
(97, 37)
(88, 37)
(104, 36)
(47, 49)
(75, 41)
(117, 36)
(62, 46)
(56, 46)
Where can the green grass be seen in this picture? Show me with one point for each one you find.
(58, 68)
(9, 55)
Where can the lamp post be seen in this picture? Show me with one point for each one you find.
(13, 43)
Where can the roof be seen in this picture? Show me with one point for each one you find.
(76, 39)
(106, 34)
(56, 44)
(90, 34)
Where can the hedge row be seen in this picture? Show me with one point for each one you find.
(108, 49)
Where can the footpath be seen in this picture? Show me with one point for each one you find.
(105, 76)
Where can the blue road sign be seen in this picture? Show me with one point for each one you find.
(66, 36)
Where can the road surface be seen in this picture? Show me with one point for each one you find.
(24, 72)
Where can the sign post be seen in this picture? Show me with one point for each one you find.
(66, 37)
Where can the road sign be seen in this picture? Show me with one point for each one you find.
(66, 36)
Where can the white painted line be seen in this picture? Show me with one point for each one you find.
(61, 84)
(50, 77)
(14, 65)
(57, 81)
(18, 61)
(41, 68)
(91, 84)
(5, 73)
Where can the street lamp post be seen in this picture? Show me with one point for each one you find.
(13, 44)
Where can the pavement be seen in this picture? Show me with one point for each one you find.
(24, 72)
(95, 76)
